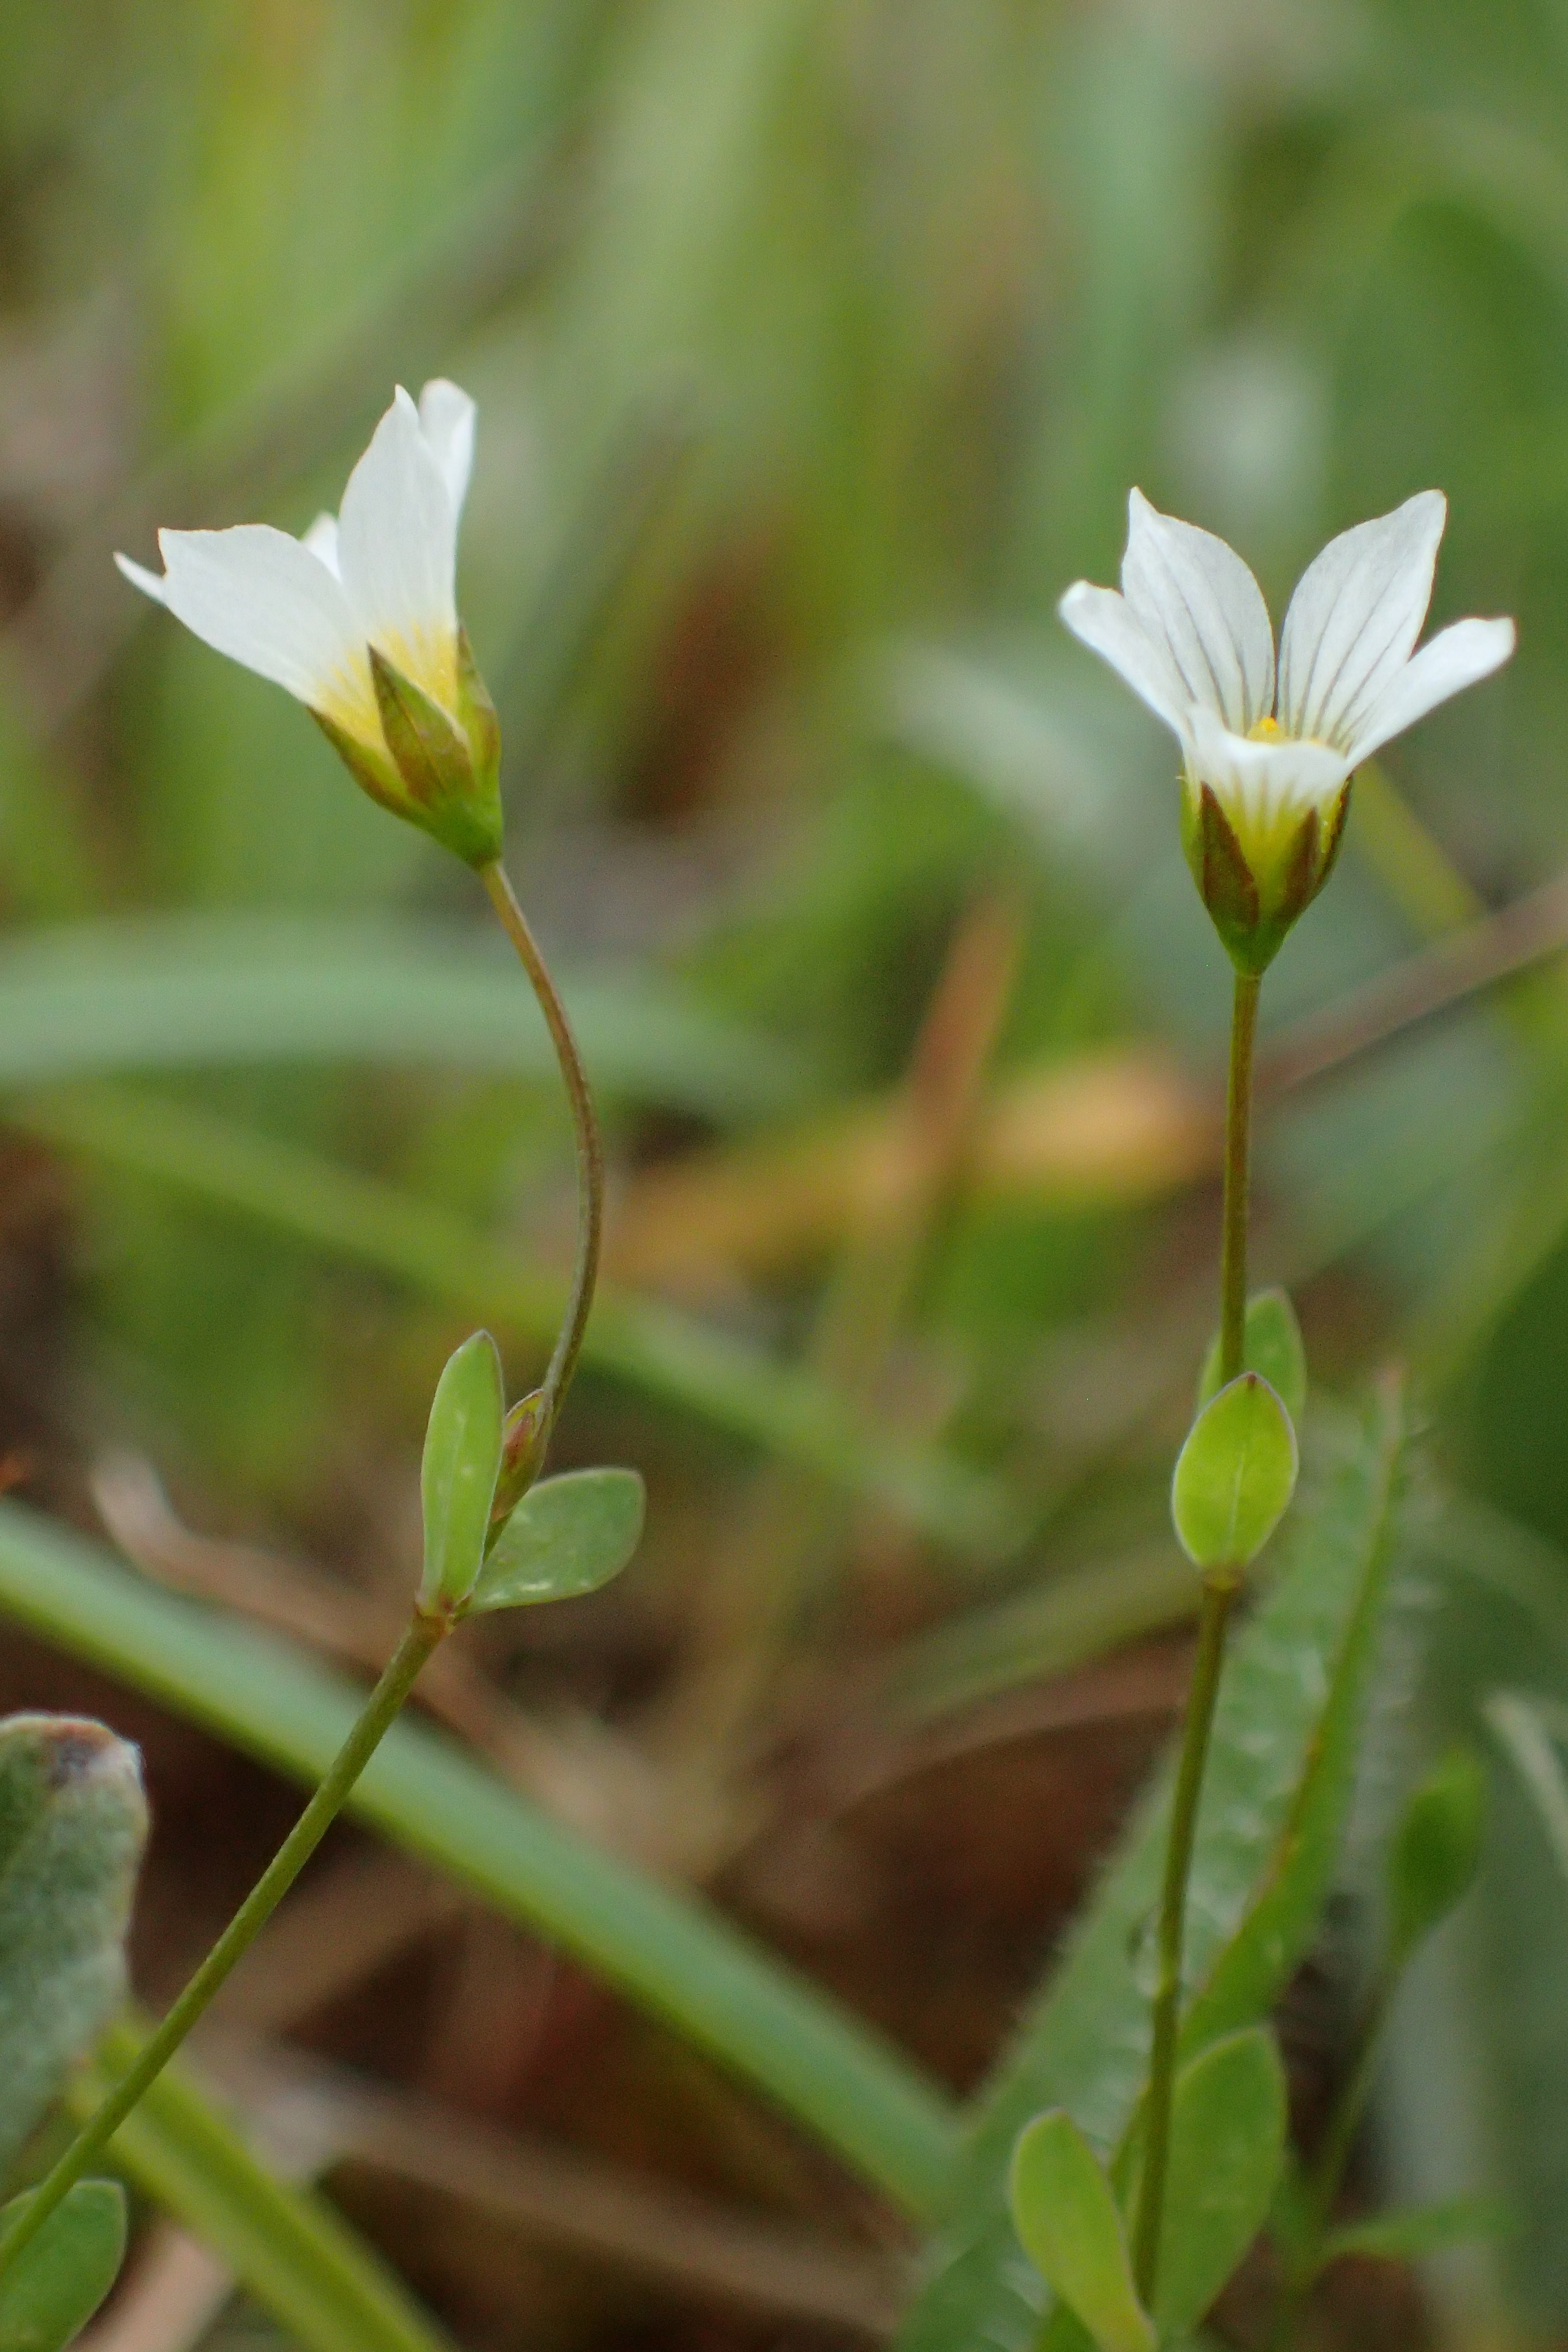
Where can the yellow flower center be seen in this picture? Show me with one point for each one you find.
(1267, 731)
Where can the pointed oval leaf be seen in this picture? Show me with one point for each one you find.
(1436, 1851)
(73, 1822)
(1069, 2225)
(1234, 1476)
(457, 1476)
(1271, 1345)
(61, 2278)
(567, 1537)
(1227, 2144)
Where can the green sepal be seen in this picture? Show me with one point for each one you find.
(478, 713)
(567, 1537)
(448, 796)
(458, 1472)
(61, 2278)
(372, 772)
(1436, 1851)
(1252, 901)
(1234, 1477)
(1068, 2224)
(1224, 877)
(1272, 1344)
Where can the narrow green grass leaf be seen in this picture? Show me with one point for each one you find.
(567, 1537)
(675, 1955)
(298, 2259)
(1274, 1802)
(208, 991)
(1069, 2225)
(61, 2278)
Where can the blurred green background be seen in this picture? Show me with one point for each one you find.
(817, 343)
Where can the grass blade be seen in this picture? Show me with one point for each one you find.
(218, 992)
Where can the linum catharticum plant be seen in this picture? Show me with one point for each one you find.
(358, 621)
(1138, 2251)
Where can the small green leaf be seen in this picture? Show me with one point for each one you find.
(1436, 1851)
(61, 2278)
(1272, 1346)
(1234, 1476)
(1227, 2144)
(1420, 2230)
(73, 1822)
(567, 1536)
(457, 1476)
(1069, 2226)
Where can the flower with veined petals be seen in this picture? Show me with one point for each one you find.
(1268, 758)
(358, 621)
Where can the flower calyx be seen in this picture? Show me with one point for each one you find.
(1257, 880)
(439, 772)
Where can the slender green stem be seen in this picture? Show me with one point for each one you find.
(423, 1635)
(1237, 1177)
(421, 1638)
(1219, 1592)
(586, 1127)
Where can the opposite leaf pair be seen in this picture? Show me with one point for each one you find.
(1228, 2143)
(565, 1536)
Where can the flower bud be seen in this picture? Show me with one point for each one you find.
(523, 1439)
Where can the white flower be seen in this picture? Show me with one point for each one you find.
(1190, 633)
(360, 610)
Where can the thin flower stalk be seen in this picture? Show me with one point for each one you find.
(1270, 742)
(358, 620)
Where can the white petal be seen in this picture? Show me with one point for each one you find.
(1190, 589)
(260, 597)
(1267, 776)
(152, 584)
(447, 421)
(397, 537)
(1107, 624)
(1355, 615)
(1457, 657)
(321, 539)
